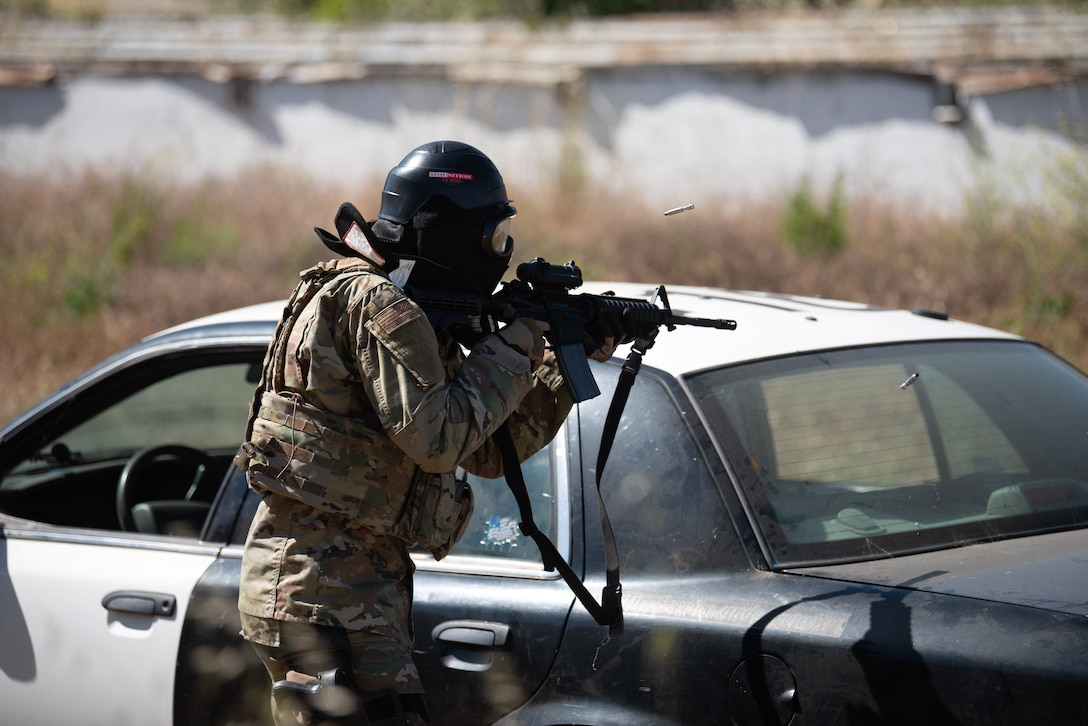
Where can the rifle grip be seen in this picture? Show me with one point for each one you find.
(575, 369)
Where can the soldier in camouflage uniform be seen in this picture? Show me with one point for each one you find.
(363, 414)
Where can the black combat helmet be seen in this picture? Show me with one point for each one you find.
(461, 173)
(444, 222)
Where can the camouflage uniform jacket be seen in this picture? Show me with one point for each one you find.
(363, 356)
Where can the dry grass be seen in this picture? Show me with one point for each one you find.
(93, 264)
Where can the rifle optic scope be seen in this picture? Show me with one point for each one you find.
(541, 273)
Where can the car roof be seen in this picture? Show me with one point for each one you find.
(768, 325)
(771, 325)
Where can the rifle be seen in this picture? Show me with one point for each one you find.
(542, 291)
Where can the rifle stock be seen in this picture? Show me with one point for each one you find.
(542, 292)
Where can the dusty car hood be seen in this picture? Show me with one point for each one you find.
(1045, 571)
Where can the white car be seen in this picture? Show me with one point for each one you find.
(832, 514)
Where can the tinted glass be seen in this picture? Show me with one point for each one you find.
(666, 514)
(205, 408)
(76, 453)
(871, 452)
(493, 530)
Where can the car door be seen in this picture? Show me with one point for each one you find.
(91, 611)
(681, 558)
(91, 626)
(488, 618)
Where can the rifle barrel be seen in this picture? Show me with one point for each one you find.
(721, 324)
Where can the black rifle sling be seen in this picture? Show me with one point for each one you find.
(631, 367)
(610, 610)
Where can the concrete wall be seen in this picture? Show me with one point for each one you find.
(650, 109)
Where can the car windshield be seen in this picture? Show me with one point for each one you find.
(880, 451)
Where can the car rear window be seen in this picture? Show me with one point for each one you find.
(868, 452)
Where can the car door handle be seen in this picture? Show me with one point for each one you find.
(478, 633)
(140, 603)
(470, 645)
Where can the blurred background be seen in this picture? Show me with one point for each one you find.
(163, 159)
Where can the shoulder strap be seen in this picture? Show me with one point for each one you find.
(631, 367)
(274, 360)
(610, 610)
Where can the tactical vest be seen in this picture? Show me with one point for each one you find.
(342, 465)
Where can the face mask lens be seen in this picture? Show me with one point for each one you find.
(497, 240)
(501, 242)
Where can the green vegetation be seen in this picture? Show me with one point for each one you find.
(811, 230)
(87, 272)
(127, 257)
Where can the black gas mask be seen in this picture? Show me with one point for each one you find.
(444, 222)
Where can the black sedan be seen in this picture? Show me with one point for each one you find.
(834, 514)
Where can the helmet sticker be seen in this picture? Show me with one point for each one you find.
(450, 177)
(356, 240)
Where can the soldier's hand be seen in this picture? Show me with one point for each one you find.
(527, 335)
(610, 329)
(604, 350)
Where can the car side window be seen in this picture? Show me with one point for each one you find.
(82, 453)
(666, 513)
(493, 529)
(205, 408)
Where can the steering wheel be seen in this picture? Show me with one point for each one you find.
(202, 465)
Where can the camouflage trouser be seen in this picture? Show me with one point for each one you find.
(378, 665)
